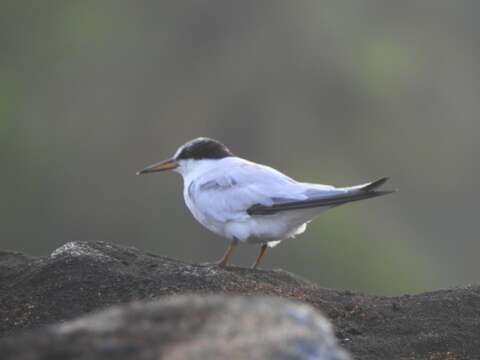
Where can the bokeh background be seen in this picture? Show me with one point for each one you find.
(337, 92)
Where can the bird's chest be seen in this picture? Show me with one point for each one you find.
(200, 214)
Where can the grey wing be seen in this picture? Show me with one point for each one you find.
(225, 197)
(322, 197)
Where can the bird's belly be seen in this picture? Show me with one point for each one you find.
(257, 229)
(254, 231)
(281, 226)
(261, 229)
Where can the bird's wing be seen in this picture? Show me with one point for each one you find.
(248, 189)
(226, 193)
(321, 197)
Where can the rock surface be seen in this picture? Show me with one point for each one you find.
(186, 327)
(82, 277)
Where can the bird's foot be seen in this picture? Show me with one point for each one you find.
(263, 250)
(221, 263)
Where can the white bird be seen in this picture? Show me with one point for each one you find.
(246, 202)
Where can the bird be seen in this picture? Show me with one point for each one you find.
(246, 202)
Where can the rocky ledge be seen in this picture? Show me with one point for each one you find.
(185, 327)
(85, 277)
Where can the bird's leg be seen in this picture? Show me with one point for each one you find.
(263, 250)
(224, 260)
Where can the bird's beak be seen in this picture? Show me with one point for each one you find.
(168, 164)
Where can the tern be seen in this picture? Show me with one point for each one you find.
(246, 202)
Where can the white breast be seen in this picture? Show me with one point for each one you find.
(201, 216)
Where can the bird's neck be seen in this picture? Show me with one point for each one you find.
(193, 169)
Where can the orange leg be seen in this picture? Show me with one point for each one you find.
(263, 250)
(224, 260)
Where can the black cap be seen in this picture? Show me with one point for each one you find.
(203, 148)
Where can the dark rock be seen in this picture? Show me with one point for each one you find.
(82, 277)
(186, 327)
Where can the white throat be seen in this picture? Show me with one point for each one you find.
(191, 169)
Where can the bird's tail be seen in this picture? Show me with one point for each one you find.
(365, 191)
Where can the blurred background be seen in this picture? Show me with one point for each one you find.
(336, 92)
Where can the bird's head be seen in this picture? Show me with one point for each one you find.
(190, 155)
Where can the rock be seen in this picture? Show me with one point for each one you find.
(82, 277)
(186, 327)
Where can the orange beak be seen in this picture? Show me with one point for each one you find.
(168, 164)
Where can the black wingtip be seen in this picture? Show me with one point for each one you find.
(376, 184)
(384, 192)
